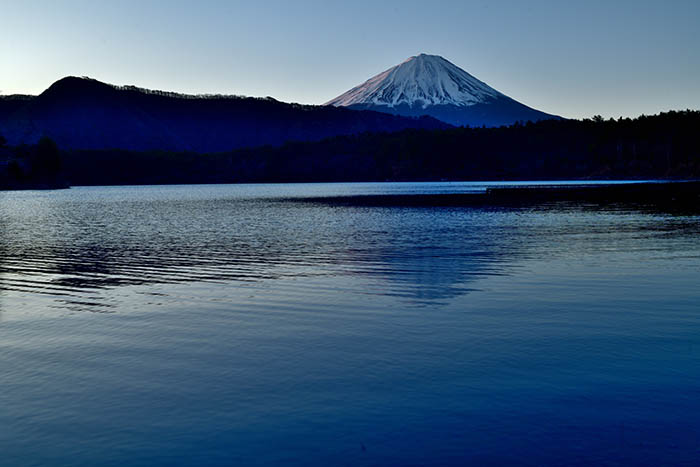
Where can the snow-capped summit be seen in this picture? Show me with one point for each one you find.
(430, 85)
(421, 80)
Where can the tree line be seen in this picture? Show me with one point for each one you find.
(663, 146)
(31, 166)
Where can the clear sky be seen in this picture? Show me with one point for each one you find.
(572, 58)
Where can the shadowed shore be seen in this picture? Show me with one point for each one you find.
(682, 195)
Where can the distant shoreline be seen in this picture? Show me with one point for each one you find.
(520, 186)
(36, 186)
(665, 194)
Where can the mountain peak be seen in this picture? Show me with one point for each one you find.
(425, 56)
(419, 81)
(74, 85)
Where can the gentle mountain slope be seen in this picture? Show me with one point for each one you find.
(430, 85)
(82, 113)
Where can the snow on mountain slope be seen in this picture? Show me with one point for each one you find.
(421, 80)
(430, 85)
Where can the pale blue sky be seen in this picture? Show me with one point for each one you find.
(575, 59)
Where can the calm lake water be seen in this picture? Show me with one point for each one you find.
(235, 325)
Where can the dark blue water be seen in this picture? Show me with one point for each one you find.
(230, 325)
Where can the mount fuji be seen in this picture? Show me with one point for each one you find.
(430, 85)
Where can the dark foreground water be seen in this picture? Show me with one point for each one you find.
(230, 325)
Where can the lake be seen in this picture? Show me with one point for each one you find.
(250, 325)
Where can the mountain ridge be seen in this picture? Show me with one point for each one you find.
(84, 113)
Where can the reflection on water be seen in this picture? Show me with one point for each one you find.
(226, 325)
(72, 245)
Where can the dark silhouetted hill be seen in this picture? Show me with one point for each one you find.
(82, 113)
(11, 104)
